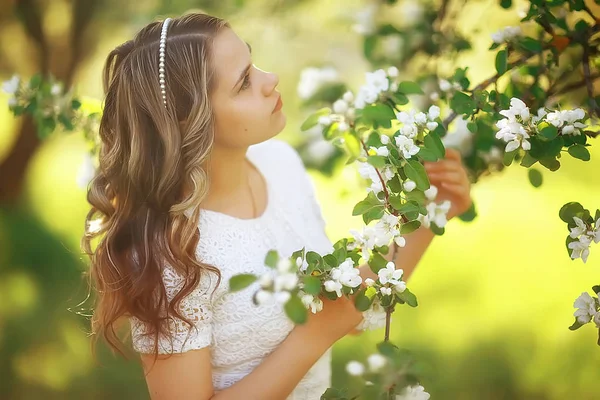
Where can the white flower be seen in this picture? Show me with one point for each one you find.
(365, 20)
(333, 286)
(355, 368)
(343, 127)
(431, 193)
(381, 151)
(369, 282)
(444, 85)
(266, 280)
(284, 265)
(12, 85)
(579, 229)
(413, 393)
(406, 117)
(366, 95)
(282, 297)
(325, 120)
(387, 173)
(340, 107)
(409, 186)
(431, 125)
(513, 133)
(392, 47)
(263, 297)
(581, 248)
(409, 130)
(286, 281)
(387, 226)
(401, 287)
(433, 113)
(348, 97)
(346, 274)
(376, 362)
(506, 34)
(586, 308)
(311, 79)
(86, 171)
(406, 146)
(319, 150)
(384, 139)
(400, 241)
(56, 89)
(389, 274)
(12, 102)
(316, 306)
(596, 232)
(421, 118)
(392, 72)
(436, 213)
(386, 291)
(373, 318)
(378, 80)
(369, 238)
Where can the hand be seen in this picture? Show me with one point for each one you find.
(338, 318)
(451, 179)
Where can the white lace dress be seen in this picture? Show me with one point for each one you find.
(240, 335)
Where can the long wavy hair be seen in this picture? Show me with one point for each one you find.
(151, 174)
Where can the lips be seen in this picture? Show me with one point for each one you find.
(278, 105)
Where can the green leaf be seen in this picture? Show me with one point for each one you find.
(426, 154)
(241, 281)
(362, 301)
(400, 99)
(462, 103)
(469, 215)
(551, 163)
(410, 227)
(580, 152)
(576, 325)
(313, 119)
(373, 214)
(535, 177)
(528, 160)
(387, 348)
(295, 310)
(505, 4)
(272, 258)
(312, 285)
(409, 298)
(550, 132)
(396, 201)
(472, 126)
(377, 262)
(530, 44)
(416, 172)
(509, 157)
(411, 206)
(409, 88)
(596, 289)
(377, 161)
(313, 258)
(434, 143)
(35, 82)
(569, 210)
(501, 62)
(380, 113)
(75, 104)
(369, 203)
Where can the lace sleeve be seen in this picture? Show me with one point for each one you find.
(196, 307)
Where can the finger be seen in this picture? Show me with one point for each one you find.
(456, 188)
(453, 154)
(443, 165)
(448, 176)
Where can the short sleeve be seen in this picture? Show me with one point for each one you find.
(196, 307)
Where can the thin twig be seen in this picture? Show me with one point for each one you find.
(588, 80)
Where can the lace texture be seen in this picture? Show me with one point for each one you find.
(241, 335)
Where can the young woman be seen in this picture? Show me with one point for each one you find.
(191, 190)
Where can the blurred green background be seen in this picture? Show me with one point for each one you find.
(495, 295)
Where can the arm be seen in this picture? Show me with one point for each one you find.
(188, 376)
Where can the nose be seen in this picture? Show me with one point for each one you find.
(271, 83)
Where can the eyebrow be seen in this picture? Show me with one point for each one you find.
(245, 71)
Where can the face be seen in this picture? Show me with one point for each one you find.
(245, 101)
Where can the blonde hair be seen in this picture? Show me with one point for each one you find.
(151, 172)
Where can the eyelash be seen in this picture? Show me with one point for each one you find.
(245, 83)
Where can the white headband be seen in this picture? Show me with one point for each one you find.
(161, 64)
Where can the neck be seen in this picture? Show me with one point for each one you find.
(228, 172)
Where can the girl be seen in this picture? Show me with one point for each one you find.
(191, 190)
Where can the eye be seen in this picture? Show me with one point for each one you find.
(245, 82)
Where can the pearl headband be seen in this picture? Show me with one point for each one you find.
(161, 64)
